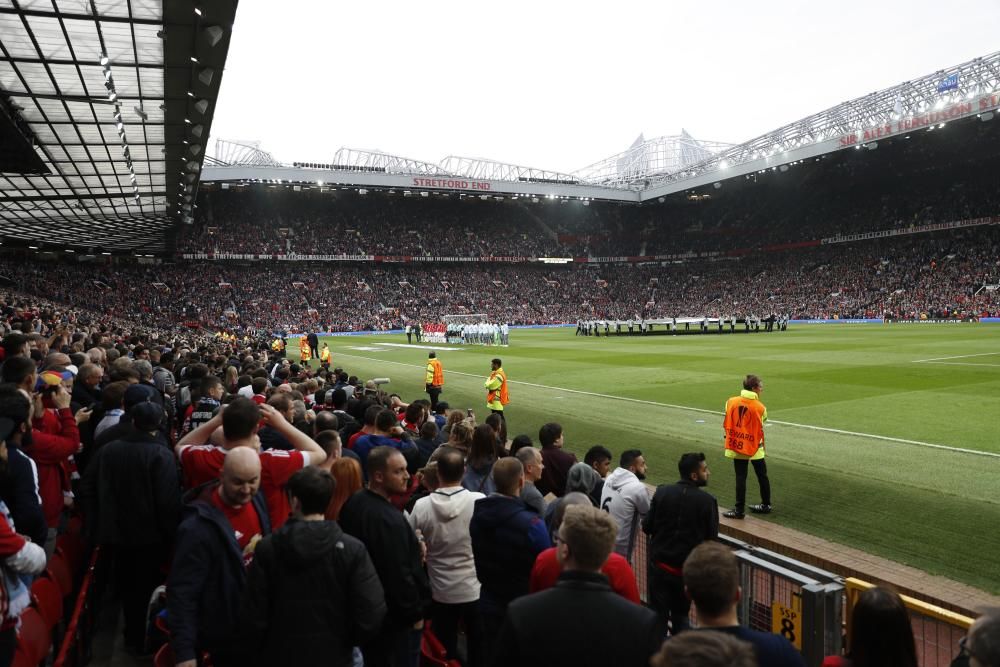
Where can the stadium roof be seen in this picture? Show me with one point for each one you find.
(655, 167)
(970, 88)
(105, 106)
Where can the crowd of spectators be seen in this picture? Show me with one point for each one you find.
(341, 222)
(941, 275)
(300, 515)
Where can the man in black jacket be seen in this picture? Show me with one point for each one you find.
(581, 621)
(131, 494)
(681, 516)
(394, 549)
(313, 341)
(18, 473)
(215, 543)
(312, 591)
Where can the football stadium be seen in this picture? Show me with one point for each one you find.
(382, 410)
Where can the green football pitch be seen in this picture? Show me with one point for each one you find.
(881, 437)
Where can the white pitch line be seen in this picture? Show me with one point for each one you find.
(957, 356)
(902, 441)
(961, 363)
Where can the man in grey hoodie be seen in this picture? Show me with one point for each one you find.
(625, 497)
(442, 518)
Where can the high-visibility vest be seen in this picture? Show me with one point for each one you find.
(744, 425)
(497, 396)
(324, 354)
(305, 353)
(435, 373)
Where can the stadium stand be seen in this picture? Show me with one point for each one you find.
(103, 281)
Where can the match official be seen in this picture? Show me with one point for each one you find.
(744, 439)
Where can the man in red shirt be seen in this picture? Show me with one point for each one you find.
(202, 463)
(547, 569)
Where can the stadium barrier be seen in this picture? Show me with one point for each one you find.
(782, 595)
(802, 603)
(935, 630)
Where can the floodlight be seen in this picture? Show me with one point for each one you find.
(205, 75)
(197, 11)
(197, 131)
(201, 106)
(212, 34)
(104, 61)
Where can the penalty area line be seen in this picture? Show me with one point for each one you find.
(825, 429)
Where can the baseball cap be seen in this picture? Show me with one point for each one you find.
(146, 416)
(51, 379)
(139, 393)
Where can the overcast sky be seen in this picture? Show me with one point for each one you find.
(560, 85)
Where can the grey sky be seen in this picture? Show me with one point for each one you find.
(559, 85)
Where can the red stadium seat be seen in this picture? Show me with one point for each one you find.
(164, 657)
(34, 639)
(432, 653)
(74, 525)
(21, 659)
(59, 572)
(73, 548)
(47, 598)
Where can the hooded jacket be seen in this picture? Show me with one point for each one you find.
(312, 594)
(443, 518)
(626, 499)
(507, 536)
(207, 579)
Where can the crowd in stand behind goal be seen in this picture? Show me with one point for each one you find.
(302, 516)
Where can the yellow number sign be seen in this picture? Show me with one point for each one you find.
(787, 621)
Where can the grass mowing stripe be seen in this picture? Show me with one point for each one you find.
(961, 450)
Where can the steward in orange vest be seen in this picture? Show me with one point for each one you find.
(496, 388)
(744, 443)
(434, 379)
